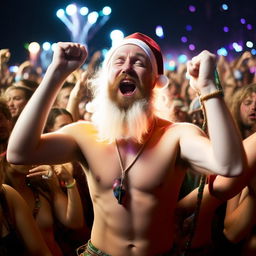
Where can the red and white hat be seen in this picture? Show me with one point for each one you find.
(153, 51)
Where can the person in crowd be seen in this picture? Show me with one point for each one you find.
(134, 161)
(47, 203)
(6, 76)
(80, 95)
(46, 200)
(212, 211)
(241, 69)
(5, 125)
(58, 117)
(63, 95)
(240, 232)
(195, 112)
(243, 109)
(239, 225)
(28, 71)
(70, 239)
(19, 232)
(169, 105)
(17, 97)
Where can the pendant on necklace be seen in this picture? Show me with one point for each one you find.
(118, 190)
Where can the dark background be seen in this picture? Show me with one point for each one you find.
(34, 20)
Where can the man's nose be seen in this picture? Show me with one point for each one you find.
(127, 67)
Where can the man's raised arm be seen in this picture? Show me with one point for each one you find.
(26, 144)
(223, 153)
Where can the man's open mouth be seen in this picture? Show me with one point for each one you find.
(127, 87)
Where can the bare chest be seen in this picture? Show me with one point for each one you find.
(146, 170)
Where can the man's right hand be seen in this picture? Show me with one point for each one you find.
(68, 57)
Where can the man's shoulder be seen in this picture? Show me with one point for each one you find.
(168, 125)
(80, 127)
(80, 124)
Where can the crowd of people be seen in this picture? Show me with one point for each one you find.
(121, 157)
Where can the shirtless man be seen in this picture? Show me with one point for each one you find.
(133, 160)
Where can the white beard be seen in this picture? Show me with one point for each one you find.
(114, 123)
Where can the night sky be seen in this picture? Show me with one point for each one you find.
(33, 20)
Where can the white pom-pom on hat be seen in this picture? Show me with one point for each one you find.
(89, 107)
(162, 81)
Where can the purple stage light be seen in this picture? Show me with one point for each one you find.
(188, 27)
(226, 29)
(192, 8)
(184, 39)
(191, 47)
(249, 26)
(242, 20)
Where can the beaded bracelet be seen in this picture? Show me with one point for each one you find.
(71, 185)
(211, 95)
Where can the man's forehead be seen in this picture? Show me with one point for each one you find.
(130, 49)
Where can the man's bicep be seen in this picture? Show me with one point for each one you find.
(53, 148)
(196, 149)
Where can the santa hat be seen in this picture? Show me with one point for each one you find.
(153, 51)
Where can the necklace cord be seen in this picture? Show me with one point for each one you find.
(125, 170)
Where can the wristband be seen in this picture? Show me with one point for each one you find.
(217, 81)
(218, 92)
(211, 95)
(71, 185)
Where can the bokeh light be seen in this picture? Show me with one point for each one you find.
(237, 47)
(171, 65)
(249, 44)
(53, 47)
(116, 36)
(34, 47)
(242, 20)
(159, 31)
(92, 17)
(188, 27)
(191, 47)
(192, 8)
(253, 51)
(222, 51)
(182, 58)
(60, 13)
(84, 11)
(226, 29)
(106, 10)
(224, 7)
(71, 9)
(184, 39)
(249, 26)
(46, 46)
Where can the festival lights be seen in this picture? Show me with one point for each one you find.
(84, 11)
(116, 36)
(222, 51)
(249, 44)
(79, 21)
(224, 7)
(160, 31)
(34, 48)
